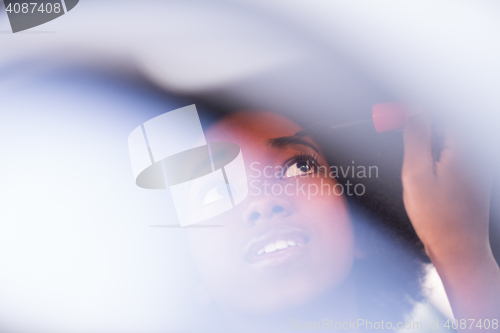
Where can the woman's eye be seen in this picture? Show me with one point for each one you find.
(213, 195)
(299, 169)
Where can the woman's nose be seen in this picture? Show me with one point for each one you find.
(264, 208)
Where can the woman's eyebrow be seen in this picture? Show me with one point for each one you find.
(285, 141)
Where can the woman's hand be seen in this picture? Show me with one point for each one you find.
(448, 201)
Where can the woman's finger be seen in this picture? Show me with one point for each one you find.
(418, 160)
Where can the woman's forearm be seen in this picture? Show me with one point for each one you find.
(472, 283)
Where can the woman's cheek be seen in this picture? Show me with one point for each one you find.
(330, 216)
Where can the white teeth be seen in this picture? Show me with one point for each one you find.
(281, 244)
(278, 245)
(270, 248)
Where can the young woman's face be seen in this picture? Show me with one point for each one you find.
(276, 249)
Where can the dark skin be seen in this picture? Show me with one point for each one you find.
(267, 286)
(448, 212)
(448, 205)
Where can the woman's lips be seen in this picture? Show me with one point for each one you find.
(276, 246)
